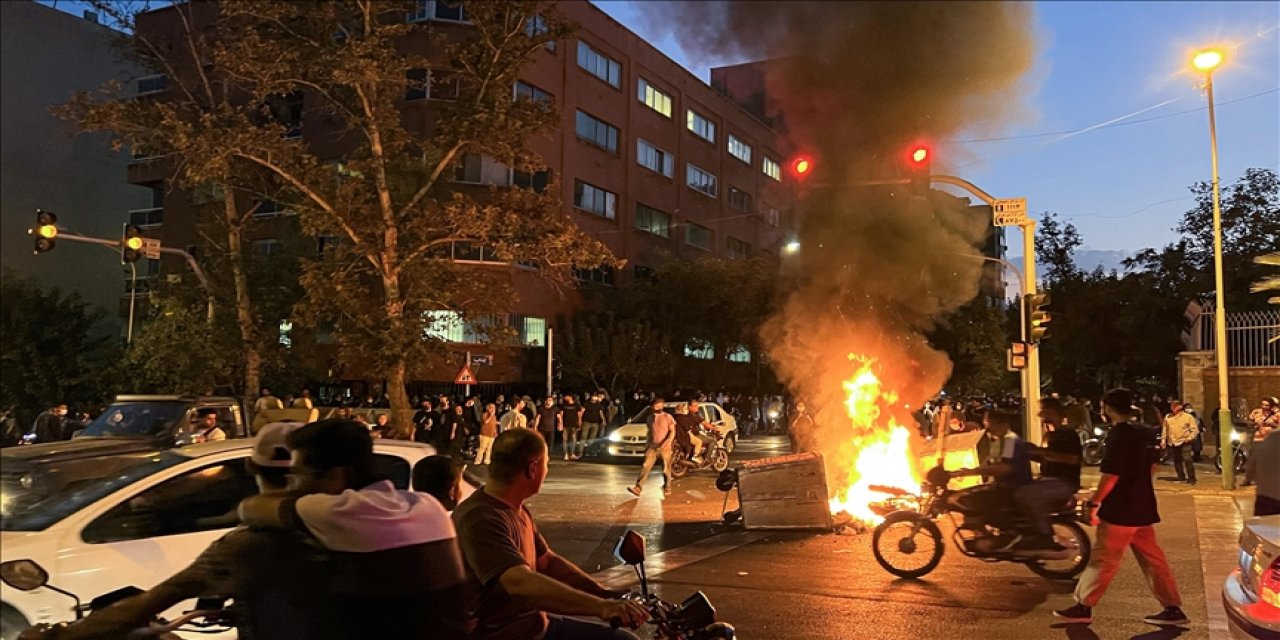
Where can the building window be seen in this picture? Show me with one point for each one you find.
(771, 168)
(451, 10)
(533, 331)
(653, 221)
(654, 98)
(474, 168)
(701, 181)
(739, 149)
(772, 216)
(739, 353)
(597, 132)
(536, 26)
(206, 193)
(699, 349)
(700, 126)
(696, 235)
(536, 182)
(736, 248)
(267, 247)
(415, 84)
(152, 84)
(591, 198)
(740, 200)
(655, 159)
(284, 333)
(600, 275)
(599, 65)
(446, 326)
(526, 90)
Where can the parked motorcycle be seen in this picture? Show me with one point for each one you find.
(909, 543)
(714, 455)
(1093, 445)
(208, 617)
(693, 619)
(1238, 455)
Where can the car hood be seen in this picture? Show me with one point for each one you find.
(77, 448)
(633, 429)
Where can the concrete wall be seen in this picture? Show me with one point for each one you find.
(45, 56)
(1198, 383)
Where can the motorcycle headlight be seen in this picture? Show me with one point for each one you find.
(615, 436)
(773, 414)
(1097, 431)
(1235, 436)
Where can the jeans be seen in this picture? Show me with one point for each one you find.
(590, 431)
(564, 628)
(1041, 498)
(486, 448)
(1182, 462)
(1108, 553)
(571, 442)
(650, 458)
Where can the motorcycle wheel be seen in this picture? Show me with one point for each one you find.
(1242, 462)
(907, 544)
(719, 460)
(1071, 535)
(679, 468)
(1092, 454)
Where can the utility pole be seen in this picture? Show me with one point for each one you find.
(551, 350)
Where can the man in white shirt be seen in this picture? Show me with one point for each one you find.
(515, 418)
(1178, 432)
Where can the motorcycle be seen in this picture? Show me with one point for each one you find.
(209, 616)
(1239, 457)
(693, 619)
(909, 544)
(714, 455)
(1093, 446)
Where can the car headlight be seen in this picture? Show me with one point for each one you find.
(615, 436)
(1235, 436)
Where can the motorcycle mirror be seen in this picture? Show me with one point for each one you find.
(630, 548)
(23, 575)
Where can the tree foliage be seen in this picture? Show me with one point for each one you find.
(975, 338)
(602, 351)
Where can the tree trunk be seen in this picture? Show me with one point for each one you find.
(244, 304)
(401, 412)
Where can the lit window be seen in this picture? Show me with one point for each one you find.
(446, 326)
(589, 197)
(739, 353)
(474, 168)
(739, 149)
(700, 126)
(533, 332)
(599, 65)
(697, 236)
(654, 98)
(699, 350)
(701, 181)
(597, 132)
(771, 168)
(285, 329)
(655, 159)
(653, 221)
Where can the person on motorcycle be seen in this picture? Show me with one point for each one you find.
(693, 425)
(1059, 475)
(1008, 464)
(275, 578)
(397, 568)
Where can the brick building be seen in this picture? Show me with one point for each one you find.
(650, 159)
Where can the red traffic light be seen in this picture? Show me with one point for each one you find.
(919, 155)
(801, 166)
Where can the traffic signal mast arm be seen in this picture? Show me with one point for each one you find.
(116, 244)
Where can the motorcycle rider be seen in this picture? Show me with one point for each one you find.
(274, 576)
(1009, 464)
(1059, 475)
(690, 422)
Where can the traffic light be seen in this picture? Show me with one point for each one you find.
(1017, 360)
(1037, 316)
(45, 231)
(801, 167)
(919, 162)
(130, 244)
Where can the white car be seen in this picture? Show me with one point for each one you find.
(630, 440)
(1251, 594)
(99, 515)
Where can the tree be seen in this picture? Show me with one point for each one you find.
(613, 353)
(55, 349)
(975, 339)
(379, 187)
(1056, 244)
(177, 350)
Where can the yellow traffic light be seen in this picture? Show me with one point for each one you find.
(130, 244)
(134, 243)
(45, 231)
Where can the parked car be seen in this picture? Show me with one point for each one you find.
(1251, 594)
(101, 514)
(629, 440)
(163, 420)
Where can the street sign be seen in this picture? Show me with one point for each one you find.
(1009, 212)
(482, 360)
(151, 248)
(465, 376)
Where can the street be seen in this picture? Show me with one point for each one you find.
(787, 585)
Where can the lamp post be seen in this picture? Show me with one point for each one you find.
(1206, 61)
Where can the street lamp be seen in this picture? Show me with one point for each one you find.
(1206, 61)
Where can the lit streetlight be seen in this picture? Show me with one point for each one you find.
(1206, 61)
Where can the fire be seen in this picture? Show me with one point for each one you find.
(879, 447)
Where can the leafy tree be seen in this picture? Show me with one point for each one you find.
(1056, 244)
(55, 349)
(614, 354)
(387, 203)
(975, 338)
(177, 350)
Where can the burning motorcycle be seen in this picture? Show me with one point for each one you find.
(714, 455)
(693, 619)
(909, 544)
(208, 616)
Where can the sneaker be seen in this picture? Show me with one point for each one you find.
(1170, 616)
(1078, 614)
(634, 490)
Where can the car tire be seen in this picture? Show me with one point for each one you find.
(731, 442)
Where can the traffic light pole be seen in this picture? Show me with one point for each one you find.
(191, 261)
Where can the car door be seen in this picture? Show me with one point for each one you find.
(154, 531)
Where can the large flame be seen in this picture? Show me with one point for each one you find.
(879, 446)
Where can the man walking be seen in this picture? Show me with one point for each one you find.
(1124, 509)
(593, 420)
(1178, 433)
(662, 429)
(548, 422)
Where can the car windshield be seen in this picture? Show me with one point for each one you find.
(643, 416)
(33, 496)
(137, 419)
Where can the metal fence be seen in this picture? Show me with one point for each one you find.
(1250, 337)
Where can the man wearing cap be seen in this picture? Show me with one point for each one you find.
(276, 580)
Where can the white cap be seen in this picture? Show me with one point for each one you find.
(271, 449)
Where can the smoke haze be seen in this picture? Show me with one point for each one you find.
(855, 84)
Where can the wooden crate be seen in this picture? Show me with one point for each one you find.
(786, 492)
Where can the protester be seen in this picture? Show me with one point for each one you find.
(488, 431)
(594, 418)
(49, 425)
(303, 401)
(266, 402)
(1178, 433)
(521, 588)
(661, 439)
(514, 418)
(1264, 468)
(441, 478)
(1262, 422)
(1124, 509)
(571, 416)
(548, 422)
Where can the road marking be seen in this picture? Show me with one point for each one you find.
(657, 564)
(1218, 537)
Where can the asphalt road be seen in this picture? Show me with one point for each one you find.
(823, 585)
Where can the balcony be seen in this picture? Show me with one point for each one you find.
(148, 218)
